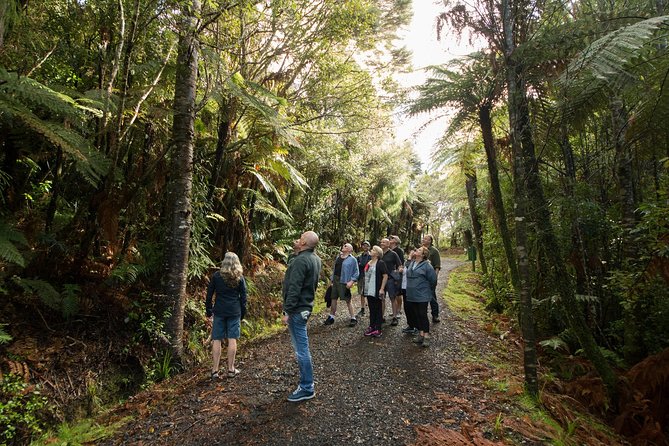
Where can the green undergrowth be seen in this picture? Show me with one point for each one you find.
(550, 416)
(83, 432)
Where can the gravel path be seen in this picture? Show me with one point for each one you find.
(368, 390)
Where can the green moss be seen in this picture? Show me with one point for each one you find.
(463, 293)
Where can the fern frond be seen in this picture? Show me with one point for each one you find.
(9, 237)
(5, 338)
(90, 163)
(38, 96)
(42, 289)
(263, 205)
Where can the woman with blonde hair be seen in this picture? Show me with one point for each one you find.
(376, 277)
(228, 309)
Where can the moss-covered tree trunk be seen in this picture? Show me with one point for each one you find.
(181, 176)
(498, 204)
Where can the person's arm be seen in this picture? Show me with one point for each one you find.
(384, 276)
(355, 273)
(210, 292)
(294, 285)
(242, 297)
(432, 276)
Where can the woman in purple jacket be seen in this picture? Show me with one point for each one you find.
(227, 310)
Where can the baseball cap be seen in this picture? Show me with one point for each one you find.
(366, 243)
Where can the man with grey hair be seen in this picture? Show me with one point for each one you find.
(344, 275)
(395, 246)
(394, 267)
(435, 261)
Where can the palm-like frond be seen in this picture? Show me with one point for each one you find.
(9, 238)
(25, 100)
(612, 62)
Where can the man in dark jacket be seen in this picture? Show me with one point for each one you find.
(435, 261)
(299, 289)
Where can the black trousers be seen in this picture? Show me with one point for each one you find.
(419, 315)
(375, 312)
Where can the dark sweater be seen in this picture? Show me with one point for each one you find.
(230, 302)
(300, 282)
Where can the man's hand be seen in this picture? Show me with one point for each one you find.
(284, 318)
(349, 284)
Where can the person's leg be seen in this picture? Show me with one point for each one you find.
(232, 333)
(350, 308)
(217, 334)
(434, 306)
(232, 352)
(423, 320)
(215, 355)
(297, 327)
(333, 307)
(410, 310)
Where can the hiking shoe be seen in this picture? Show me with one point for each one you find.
(232, 373)
(425, 343)
(395, 322)
(329, 321)
(300, 395)
(435, 319)
(361, 312)
(410, 330)
(419, 340)
(375, 334)
(368, 331)
(215, 376)
(353, 322)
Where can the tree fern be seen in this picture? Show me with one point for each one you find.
(23, 100)
(42, 289)
(9, 238)
(608, 61)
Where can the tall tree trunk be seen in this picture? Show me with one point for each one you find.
(516, 128)
(529, 187)
(624, 176)
(498, 204)
(181, 176)
(476, 222)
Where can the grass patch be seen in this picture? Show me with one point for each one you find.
(81, 433)
(462, 295)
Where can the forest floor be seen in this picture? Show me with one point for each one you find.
(383, 391)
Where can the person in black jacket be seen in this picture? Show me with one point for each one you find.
(363, 258)
(227, 310)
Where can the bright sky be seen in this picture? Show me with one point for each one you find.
(421, 39)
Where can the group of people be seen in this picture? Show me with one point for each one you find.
(379, 272)
(383, 272)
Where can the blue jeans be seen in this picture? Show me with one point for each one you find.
(297, 327)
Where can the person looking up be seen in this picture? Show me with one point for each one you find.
(344, 275)
(298, 291)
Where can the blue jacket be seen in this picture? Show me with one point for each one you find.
(230, 302)
(349, 270)
(421, 280)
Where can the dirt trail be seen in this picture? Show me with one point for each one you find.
(369, 390)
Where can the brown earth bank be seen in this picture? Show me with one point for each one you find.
(382, 391)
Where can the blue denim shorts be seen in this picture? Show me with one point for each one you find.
(225, 328)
